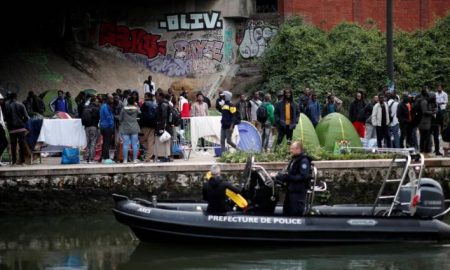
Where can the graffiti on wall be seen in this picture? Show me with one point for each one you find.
(192, 21)
(228, 51)
(255, 39)
(129, 40)
(170, 66)
(197, 49)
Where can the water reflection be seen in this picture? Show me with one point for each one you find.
(99, 242)
(90, 242)
(167, 256)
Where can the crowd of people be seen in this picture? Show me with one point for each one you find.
(123, 121)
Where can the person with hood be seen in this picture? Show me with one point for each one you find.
(296, 178)
(214, 192)
(129, 128)
(286, 116)
(107, 127)
(90, 118)
(356, 113)
(230, 118)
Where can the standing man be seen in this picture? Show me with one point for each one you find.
(200, 109)
(148, 124)
(268, 122)
(370, 131)
(3, 140)
(404, 116)
(59, 104)
(162, 148)
(286, 116)
(149, 86)
(107, 127)
(16, 118)
(356, 113)
(220, 101)
(242, 106)
(230, 118)
(380, 120)
(441, 100)
(394, 131)
(314, 109)
(296, 178)
(425, 121)
(90, 118)
(253, 105)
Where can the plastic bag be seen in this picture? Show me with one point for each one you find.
(70, 156)
(165, 136)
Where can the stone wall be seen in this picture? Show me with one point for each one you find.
(92, 193)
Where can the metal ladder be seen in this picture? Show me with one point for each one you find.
(410, 166)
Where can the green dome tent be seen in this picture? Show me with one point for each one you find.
(335, 127)
(305, 132)
(47, 97)
(90, 91)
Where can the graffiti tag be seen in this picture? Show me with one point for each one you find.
(172, 67)
(192, 21)
(132, 40)
(197, 49)
(256, 39)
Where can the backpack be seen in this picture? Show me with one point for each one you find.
(262, 114)
(148, 118)
(174, 116)
(391, 116)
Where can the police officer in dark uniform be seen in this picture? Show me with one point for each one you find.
(214, 191)
(297, 179)
(230, 118)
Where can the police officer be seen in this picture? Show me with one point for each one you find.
(214, 191)
(296, 178)
(230, 118)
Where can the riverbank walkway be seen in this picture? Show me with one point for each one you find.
(198, 162)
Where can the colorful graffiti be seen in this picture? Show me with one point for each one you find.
(228, 51)
(192, 21)
(256, 39)
(170, 66)
(197, 49)
(132, 40)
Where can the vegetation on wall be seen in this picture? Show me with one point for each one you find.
(351, 56)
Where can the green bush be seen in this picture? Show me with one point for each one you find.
(352, 56)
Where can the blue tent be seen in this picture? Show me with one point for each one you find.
(249, 138)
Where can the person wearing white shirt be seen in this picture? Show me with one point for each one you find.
(149, 86)
(254, 104)
(441, 101)
(394, 130)
(3, 140)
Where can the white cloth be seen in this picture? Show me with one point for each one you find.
(442, 100)
(63, 132)
(208, 127)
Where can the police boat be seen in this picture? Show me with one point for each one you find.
(412, 212)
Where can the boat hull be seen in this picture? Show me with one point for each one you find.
(180, 222)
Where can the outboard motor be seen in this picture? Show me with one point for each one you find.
(431, 201)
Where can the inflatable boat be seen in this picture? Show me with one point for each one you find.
(411, 213)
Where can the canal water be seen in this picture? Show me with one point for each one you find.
(99, 242)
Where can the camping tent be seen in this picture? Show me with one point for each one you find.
(90, 91)
(47, 97)
(335, 127)
(305, 132)
(249, 138)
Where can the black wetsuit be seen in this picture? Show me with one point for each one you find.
(297, 180)
(214, 194)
